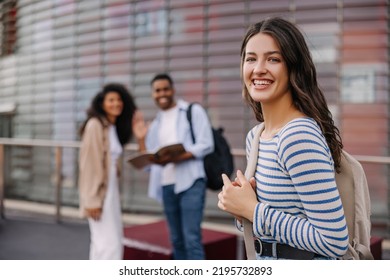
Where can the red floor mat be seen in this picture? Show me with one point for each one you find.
(151, 241)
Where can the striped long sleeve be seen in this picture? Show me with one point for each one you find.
(299, 203)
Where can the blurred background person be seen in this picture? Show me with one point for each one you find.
(179, 182)
(107, 129)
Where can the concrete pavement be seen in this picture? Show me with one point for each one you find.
(32, 239)
(29, 232)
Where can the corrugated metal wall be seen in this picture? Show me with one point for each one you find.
(66, 49)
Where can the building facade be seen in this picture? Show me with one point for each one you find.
(56, 54)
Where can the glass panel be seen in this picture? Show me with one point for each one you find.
(118, 45)
(219, 22)
(186, 50)
(147, 42)
(89, 38)
(65, 20)
(268, 7)
(151, 23)
(64, 85)
(88, 27)
(227, 8)
(119, 57)
(64, 53)
(116, 34)
(117, 22)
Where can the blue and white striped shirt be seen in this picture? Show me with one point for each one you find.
(299, 203)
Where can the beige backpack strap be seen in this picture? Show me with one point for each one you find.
(248, 238)
(250, 172)
(346, 187)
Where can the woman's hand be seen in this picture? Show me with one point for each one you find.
(93, 213)
(252, 180)
(237, 183)
(238, 197)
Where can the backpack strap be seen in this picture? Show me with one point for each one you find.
(189, 118)
(249, 172)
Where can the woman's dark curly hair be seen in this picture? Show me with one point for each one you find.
(124, 120)
(307, 96)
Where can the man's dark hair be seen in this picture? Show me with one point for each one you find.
(162, 76)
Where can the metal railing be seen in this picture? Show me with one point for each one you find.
(58, 146)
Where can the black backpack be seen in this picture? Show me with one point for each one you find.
(219, 161)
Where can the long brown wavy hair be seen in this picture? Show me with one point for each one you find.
(306, 94)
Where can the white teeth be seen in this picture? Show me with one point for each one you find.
(261, 82)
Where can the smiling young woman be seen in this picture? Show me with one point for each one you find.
(296, 209)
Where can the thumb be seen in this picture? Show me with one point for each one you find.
(253, 182)
(226, 180)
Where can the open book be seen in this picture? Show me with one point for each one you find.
(140, 160)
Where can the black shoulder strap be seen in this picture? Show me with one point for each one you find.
(189, 118)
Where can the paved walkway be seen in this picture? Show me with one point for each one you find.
(29, 232)
(32, 239)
